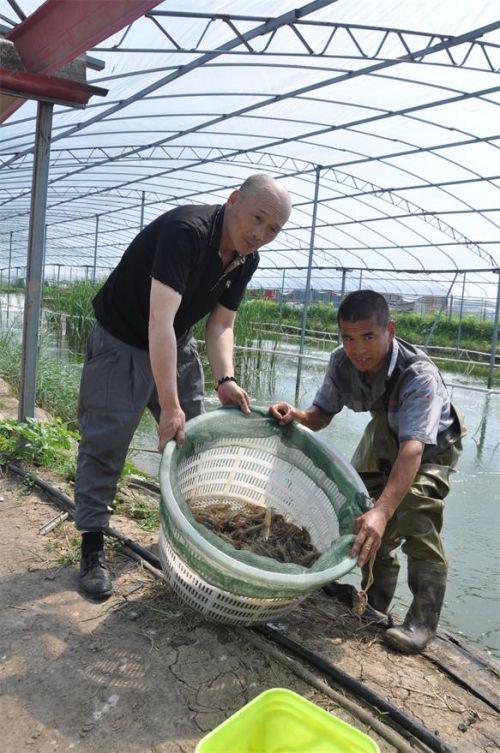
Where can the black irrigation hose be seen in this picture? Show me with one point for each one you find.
(357, 688)
(342, 678)
(69, 506)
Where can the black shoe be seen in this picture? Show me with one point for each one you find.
(94, 580)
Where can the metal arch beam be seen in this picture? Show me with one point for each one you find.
(283, 159)
(460, 240)
(468, 243)
(259, 31)
(60, 30)
(341, 178)
(386, 194)
(379, 37)
(129, 151)
(270, 25)
(238, 153)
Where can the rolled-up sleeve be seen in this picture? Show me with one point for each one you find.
(327, 397)
(420, 408)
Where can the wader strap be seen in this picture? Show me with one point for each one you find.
(447, 437)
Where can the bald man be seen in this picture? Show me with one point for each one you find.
(189, 262)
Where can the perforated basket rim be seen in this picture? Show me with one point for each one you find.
(215, 556)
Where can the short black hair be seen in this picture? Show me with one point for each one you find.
(362, 304)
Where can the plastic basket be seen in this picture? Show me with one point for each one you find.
(228, 456)
(281, 721)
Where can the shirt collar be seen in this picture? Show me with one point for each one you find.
(216, 229)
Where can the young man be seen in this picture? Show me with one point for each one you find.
(405, 458)
(189, 262)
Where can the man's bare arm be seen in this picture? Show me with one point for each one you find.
(164, 303)
(314, 418)
(370, 527)
(219, 342)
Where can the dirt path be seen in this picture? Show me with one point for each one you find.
(139, 673)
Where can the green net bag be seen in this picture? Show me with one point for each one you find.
(251, 459)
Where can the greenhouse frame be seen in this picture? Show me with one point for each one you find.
(380, 119)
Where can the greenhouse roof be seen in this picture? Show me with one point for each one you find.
(384, 112)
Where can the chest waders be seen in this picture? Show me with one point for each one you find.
(416, 524)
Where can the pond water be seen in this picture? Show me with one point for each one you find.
(472, 513)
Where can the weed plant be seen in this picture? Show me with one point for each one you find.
(74, 301)
(57, 380)
(39, 443)
(69, 311)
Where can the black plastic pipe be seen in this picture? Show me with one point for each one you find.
(67, 504)
(357, 688)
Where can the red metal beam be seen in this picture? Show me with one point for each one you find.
(47, 88)
(60, 30)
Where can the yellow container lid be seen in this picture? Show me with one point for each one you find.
(281, 721)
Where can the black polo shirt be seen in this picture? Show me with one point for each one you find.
(180, 249)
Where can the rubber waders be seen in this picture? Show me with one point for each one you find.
(427, 583)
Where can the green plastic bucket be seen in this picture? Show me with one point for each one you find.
(281, 721)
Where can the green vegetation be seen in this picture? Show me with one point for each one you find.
(139, 507)
(50, 445)
(70, 310)
(66, 548)
(71, 307)
(57, 384)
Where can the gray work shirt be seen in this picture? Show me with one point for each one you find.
(418, 406)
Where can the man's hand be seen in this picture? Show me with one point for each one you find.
(369, 529)
(283, 413)
(230, 393)
(171, 426)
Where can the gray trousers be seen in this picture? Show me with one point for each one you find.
(117, 385)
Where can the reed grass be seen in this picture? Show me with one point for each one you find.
(74, 301)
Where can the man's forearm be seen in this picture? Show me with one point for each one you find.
(401, 477)
(219, 342)
(313, 418)
(163, 357)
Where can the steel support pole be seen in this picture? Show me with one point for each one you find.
(460, 314)
(342, 293)
(8, 277)
(342, 287)
(143, 201)
(308, 284)
(438, 315)
(34, 270)
(58, 273)
(94, 267)
(282, 292)
(494, 341)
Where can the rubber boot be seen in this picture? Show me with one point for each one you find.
(427, 583)
(381, 592)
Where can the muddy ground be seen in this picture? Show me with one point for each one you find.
(142, 673)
